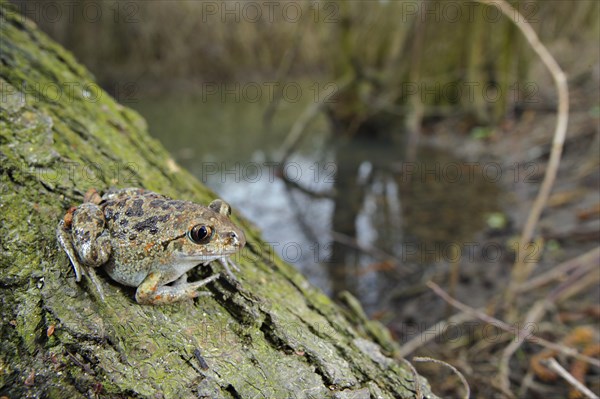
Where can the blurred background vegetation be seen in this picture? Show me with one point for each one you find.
(338, 127)
(441, 47)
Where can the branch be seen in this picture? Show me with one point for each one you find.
(520, 333)
(427, 335)
(558, 369)
(520, 270)
(587, 262)
(451, 367)
(309, 113)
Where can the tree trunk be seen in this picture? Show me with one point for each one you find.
(271, 336)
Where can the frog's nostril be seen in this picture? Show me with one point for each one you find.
(236, 239)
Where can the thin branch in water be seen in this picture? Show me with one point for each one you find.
(311, 193)
(308, 115)
(366, 248)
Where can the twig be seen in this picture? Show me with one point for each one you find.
(587, 261)
(558, 369)
(414, 119)
(427, 335)
(520, 333)
(283, 71)
(526, 384)
(562, 292)
(454, 276)
(520, 270)
(366, 248)
(309, 113)
(415, 375)
(330, 194)
(451, 367)
(577, 282)
(534, 315)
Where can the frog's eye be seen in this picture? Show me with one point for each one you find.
(200, 234)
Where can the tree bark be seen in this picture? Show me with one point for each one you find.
(272, 335)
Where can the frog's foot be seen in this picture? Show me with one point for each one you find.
(226, 262)
(150, 293)
(91, 273)
(64, 240)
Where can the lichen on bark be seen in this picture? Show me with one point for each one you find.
(271, 336)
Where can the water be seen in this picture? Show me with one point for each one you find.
(375, 235)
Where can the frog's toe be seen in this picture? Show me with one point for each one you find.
(65, 242)
(94, 278)
(226, 263)
(181, 280)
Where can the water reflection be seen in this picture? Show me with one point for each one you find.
(392, 220)
(387, 224)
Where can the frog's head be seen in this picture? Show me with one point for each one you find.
(211, 234)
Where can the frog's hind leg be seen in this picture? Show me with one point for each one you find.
(150, 292)
(118, 193)
(64, 240)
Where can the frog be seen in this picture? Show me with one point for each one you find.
(149, 241)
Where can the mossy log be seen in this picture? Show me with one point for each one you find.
(271, 336)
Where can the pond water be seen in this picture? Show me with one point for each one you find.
(364, 221)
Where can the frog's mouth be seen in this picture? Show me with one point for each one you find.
(204, 259)
(197, 258)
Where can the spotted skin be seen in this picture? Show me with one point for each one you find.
(143, 239)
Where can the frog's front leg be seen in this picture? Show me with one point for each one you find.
(151, 292)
